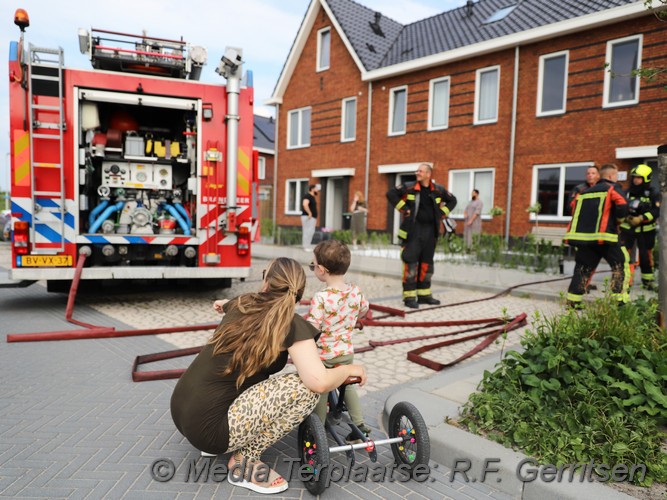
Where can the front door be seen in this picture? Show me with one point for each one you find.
(334, 203)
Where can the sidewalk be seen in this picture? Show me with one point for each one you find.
(74, 425)
(441, 396)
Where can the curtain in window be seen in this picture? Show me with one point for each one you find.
(440, 112)
(483, 182)
(292, 196)
(398, 118)
(350, 119)
(325, 38)
(294, 128)
(461, 189)
(305, 126)
(488, 95)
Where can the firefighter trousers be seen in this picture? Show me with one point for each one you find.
(645, 242)
(417, 256)
(587, 259)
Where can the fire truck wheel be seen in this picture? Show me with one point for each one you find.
(58, 286)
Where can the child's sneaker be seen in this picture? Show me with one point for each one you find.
(350, 439)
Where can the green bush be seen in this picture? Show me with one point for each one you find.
(266, 227)
(343, 235)
(589, 385)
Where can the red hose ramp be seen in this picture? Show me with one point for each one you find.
(73, 291)
(415, 354)
(380, 343)
(429, 324)
(138, 376)
(102, 333)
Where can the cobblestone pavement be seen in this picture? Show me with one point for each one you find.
(74, 425)
(386, 365)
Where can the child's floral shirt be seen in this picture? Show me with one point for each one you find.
(335, 313)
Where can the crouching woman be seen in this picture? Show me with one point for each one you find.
(226, 402)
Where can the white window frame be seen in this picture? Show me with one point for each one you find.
(478, 75)
(540, 83)
(261, 168)
(461, 204)
(560, 216)
(392, 100)
(299, 195)
(320, 47)
(343, 120)
(299, 127)
(431, 102)
(607, 71)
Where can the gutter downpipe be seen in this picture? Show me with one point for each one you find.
(275, 173)
(510, 173)
(368, 140)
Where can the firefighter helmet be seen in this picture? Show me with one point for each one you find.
(643, 171)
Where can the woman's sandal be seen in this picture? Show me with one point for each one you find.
(276, 483)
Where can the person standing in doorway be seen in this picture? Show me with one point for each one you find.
(309, 216)
(423, 205)
(472, 219)
(359, 211)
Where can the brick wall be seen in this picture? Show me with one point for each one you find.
(586, 132)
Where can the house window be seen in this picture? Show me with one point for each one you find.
(623, 56)
(348, 129)
(298, 131)
(398, 102)
(500, 14)
(552, 84)
(486, 95)
(294, 191)
(261, 168)
(552, 185)
(461, 184)
(323, 49)
(438, 104)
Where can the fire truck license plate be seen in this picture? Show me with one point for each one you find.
(46, 260)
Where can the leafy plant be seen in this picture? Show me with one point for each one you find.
(266, 227)
(587, 386)
(496, 211)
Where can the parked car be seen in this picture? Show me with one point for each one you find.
(5, 225)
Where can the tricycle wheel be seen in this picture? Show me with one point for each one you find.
(405, 421)
(313, 449)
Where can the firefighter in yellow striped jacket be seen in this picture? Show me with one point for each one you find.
(423, 204)
(640, 226)
(593, 230)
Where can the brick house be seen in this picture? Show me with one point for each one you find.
(511, 97)
(264, 145)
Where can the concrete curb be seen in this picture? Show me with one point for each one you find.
(472, 458)
(483, 279)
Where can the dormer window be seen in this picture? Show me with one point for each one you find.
(323, 49)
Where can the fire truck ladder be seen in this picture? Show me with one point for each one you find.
(47, 129)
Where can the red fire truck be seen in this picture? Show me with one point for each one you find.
(135, 164)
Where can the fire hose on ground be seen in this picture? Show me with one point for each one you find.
(501, 325)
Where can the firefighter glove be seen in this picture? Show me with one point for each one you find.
(635, 220)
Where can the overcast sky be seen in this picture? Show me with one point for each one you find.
(264, 29)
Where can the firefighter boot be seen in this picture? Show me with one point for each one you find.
(411, 303)
(428, 299)
(649, 285)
